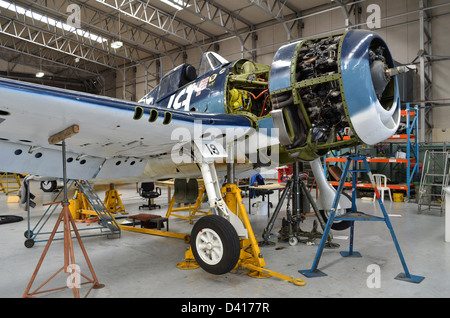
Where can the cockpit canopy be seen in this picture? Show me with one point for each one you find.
(175, 79)
(182, 75)
(209, 62)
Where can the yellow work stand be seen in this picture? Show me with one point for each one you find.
(112, 201)
(80, 208)
(193, 210)
(250, 257)
(9, 182)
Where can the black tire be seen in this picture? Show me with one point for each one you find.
(4, 219)
(48, 186)
(340, 225)
(222, 251)
(29, 243)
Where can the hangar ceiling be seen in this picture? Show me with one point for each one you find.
(73, 38)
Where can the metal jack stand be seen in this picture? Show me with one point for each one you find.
(69, 267)
(293, 186)
(354, 215)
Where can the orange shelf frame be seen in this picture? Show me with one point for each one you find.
(412, 130)
(375, 159)
(369, 186)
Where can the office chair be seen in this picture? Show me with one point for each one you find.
(148, 191)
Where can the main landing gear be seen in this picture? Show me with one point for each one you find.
(215, 244)
(224, 240)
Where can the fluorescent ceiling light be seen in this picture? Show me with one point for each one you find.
(60, 25)
(177, 4)
(40, 74)
(117, 44)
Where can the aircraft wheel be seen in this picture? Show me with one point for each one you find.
(337, 226)
(215, 244)
(48, 186)
(293, 241)
(340, 225)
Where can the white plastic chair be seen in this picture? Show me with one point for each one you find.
(381, 183)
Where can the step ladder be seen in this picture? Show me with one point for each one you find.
(97, 205)
(434, 179)
(9, 182)
(354, 215)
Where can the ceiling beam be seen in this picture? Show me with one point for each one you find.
(168, 25)
(276, 9)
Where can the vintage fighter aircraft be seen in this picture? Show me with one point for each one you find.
(319, 94)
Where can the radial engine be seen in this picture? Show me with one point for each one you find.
(333, 92)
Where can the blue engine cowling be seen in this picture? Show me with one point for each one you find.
(333, 92)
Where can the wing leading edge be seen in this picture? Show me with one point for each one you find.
(111, 143)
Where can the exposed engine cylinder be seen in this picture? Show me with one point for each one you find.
(333, 92)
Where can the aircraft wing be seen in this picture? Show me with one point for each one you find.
(110, 144)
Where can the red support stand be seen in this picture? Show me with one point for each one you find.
(70, 266)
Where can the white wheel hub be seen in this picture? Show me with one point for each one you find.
(209, 246)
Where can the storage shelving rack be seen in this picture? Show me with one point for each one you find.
(412, 154)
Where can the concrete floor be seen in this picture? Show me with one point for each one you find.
(142, 265)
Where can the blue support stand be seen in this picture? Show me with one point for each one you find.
(353, 216)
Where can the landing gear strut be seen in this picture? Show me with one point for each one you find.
(225, 240)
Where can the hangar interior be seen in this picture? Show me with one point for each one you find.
(122, 50)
